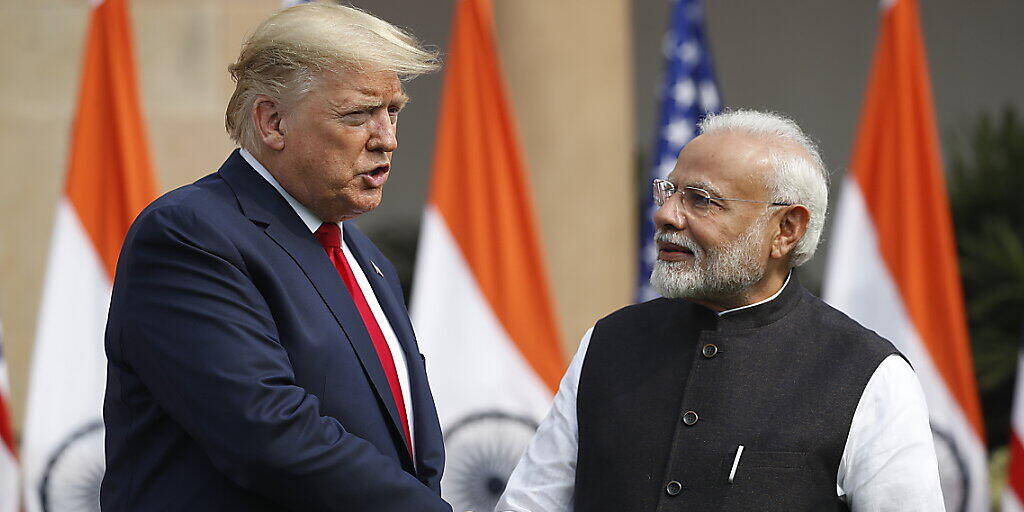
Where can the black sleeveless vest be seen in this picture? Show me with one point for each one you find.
(669, 391)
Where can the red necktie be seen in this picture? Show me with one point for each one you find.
(329, 235)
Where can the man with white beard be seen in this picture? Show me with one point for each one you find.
(739, 390)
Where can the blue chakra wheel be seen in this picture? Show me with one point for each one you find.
(953, 474)
(71, 480)
(481, 450)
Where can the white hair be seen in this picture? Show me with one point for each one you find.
(290, 51)
(799, 177)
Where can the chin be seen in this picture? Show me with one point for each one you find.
(365, 203)
(371, 203)
(673, 279)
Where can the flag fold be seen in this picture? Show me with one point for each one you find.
(892, 262)
(481, 304)
(109, 181)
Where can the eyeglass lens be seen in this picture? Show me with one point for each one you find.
(662, 191)
(694, 199)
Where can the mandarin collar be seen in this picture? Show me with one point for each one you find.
(754, 316)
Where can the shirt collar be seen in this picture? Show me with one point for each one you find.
(308, 217)
(765, 301)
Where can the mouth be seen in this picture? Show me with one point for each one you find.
(376, 177)
(668, 251)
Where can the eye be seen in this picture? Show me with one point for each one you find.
(356, 117)
(698, 198)
(393, 113)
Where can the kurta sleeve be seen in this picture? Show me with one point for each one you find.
(889, 461)
(546, 475)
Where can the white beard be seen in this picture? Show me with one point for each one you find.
(710, 275)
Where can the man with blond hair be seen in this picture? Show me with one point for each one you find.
(738, 390)
(260, 355)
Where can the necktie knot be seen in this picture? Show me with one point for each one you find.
(329, 235)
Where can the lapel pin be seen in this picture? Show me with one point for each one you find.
(376, 269)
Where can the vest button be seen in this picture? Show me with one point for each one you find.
(673, 488)
(689, 418)
(709, 350)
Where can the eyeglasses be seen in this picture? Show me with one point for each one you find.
(697, 200)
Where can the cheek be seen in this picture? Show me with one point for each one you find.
(347, 152)
(709, 233)
(349, 139)
(724, 231)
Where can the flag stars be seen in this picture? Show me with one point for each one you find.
(665, 167)
(689, 52)
(684, 93)
(679, 132)
(709, 96)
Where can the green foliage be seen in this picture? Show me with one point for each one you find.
(997, 467)
(987, 197)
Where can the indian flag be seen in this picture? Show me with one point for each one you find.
(108, 183)
(1013, 493)
(893, 263)
(481, 304)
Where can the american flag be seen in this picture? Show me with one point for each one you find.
(8, 461)
(688, 93)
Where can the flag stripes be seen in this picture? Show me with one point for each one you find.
(481, 305)
(109, 181)
(892, 263)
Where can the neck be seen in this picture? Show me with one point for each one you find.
(764, 288)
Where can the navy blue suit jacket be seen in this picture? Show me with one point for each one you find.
(240, 374)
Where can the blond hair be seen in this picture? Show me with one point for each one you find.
(290, 51)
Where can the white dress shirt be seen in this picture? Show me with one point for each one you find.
(313, 223)
(888, 463)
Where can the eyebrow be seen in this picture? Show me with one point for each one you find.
(706, 186)
(367, 101)
(400, 97)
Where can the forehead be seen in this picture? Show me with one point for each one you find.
(375, 88)
(723, 163)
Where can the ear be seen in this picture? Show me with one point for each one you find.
(266, 116)
(792, 227)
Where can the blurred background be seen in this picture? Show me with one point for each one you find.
(582, 77)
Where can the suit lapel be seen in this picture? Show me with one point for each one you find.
(392, 305)
(265, 206)
(422, 402)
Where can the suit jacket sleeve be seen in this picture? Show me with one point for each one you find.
(202, 339)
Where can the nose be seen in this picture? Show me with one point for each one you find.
(383, 135)
(670, 215)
